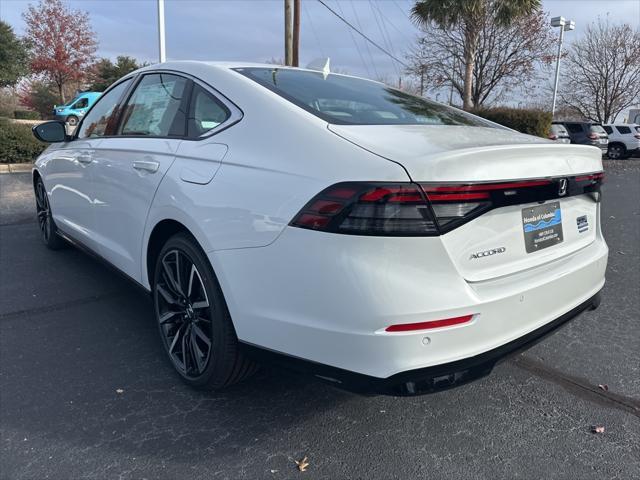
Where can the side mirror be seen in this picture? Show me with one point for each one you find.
(50, 132)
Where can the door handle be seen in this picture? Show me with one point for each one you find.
(146, 165)
(86, 159)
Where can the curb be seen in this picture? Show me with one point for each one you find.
(15, 167)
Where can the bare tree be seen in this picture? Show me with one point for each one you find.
(507, 57)
(602, 74)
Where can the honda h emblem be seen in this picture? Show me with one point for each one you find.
(562, 188)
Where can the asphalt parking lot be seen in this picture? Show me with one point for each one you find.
(86, 393)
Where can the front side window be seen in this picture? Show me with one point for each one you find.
(157, 107)
(608, 129)
(354, 101)
(101, 119)
(205, 112)
(82, 103)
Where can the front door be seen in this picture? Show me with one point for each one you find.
(70, 173)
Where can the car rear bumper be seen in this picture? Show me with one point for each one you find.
(422, 380)
(327, 299)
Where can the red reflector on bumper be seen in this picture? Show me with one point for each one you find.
(447, 322)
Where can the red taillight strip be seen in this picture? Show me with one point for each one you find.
(447, 322)
(594, 176)
(450, 197)
(485, 186)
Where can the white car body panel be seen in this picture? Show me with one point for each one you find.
(328, 297)
(69, 184)
(126, 173)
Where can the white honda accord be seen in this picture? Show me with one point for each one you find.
(378, 240)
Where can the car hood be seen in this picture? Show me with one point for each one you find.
(445, 153)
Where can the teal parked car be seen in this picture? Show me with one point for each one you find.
(71, 112)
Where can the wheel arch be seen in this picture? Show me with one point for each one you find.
(162, 231)
(619, 143)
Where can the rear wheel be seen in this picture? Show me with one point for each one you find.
(72, 120)
(617, 151)
(48, 229)
(193, 319)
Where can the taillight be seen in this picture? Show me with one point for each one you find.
(359, 208)
(456, 204)
(636, 135)
(409, 209)
(593, 136)
(553, 137)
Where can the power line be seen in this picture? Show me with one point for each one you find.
(366, 44)
(353, 39)
(362, 34)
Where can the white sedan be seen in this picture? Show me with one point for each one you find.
(380, 241)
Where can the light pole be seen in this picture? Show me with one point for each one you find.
(565, 25)
(161, 44)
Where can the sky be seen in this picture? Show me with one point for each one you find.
(252, 30)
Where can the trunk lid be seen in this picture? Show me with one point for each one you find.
(509, 237)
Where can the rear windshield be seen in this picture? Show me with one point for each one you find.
(559, 129)
(354, 101)
(597, 129)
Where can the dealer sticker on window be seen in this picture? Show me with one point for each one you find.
(542, 226)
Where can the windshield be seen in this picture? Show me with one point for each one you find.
(354, 101)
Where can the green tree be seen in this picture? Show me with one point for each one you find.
(105, 72)
(14, 57)
(470, 15)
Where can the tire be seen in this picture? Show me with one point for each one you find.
(48, 229)
(72, 120)
(192, 317)
(616, 152)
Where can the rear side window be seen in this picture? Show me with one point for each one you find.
(205, 112)
(157, 107)
(608, 129)
(623, 130)
(101, 119)
(574, 127)
(340, 99)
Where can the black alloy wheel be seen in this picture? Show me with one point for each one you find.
(194, 322)
(48, 229)
(616, 152)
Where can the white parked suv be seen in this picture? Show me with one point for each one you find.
(624, 140)
(379, 240)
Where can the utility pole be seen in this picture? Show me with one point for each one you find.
(161, 43)
(288, 33)
(296, 33)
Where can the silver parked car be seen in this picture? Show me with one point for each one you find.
(559, 134)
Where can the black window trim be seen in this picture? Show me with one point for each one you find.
(102, 95)
(236, 113)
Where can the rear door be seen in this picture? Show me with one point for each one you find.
(131, 164)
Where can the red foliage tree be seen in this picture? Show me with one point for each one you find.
(62, 42)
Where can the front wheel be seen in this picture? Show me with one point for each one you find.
(195, 326)
(48, 229)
